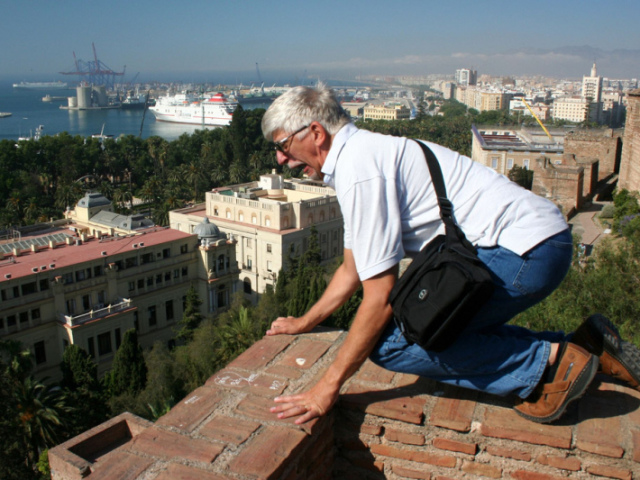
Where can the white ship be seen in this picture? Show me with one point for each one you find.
(209, 110)
(40, 85)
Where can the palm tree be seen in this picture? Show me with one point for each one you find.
(194, 174)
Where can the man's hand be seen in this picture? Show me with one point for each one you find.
(309, 405)
(288, 326)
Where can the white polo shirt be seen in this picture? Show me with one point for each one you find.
(390, 208)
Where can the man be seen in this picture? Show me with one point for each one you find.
(390, 210)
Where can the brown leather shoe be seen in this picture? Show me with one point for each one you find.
(574, 371)
(618, 359)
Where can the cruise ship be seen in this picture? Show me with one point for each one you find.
(209, 110)
(40, 85)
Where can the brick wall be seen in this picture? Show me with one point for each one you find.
(603, 144)
(630, 162)
(386, 425)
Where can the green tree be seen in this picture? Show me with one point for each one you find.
(521, 176)
(128, 373)
(191, 317)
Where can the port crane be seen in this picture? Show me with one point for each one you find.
(94, 72)
(538, 120)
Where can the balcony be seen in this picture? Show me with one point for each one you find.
(95, 314)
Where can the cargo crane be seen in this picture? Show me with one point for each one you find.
(538, 120)
(95, 72)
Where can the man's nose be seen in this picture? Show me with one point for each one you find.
(281, 158)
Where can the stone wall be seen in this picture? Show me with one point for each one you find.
(605, 145)
(630, 163)
(385, 425)
(562, 184)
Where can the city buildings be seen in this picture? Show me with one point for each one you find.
(269, 220)
(91, 277)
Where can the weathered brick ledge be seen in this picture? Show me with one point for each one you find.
(386, 425)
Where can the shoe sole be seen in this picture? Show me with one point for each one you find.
(577, 390)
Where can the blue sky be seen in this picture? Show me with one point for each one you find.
(221, 39)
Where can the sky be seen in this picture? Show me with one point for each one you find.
(223, 40)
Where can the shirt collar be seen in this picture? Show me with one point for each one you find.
(338, 142)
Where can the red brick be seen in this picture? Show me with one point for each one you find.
(304, 354)
(455, 446)
(164, 444)
(255, 383)
(365, 461)
(601, 430)
(262, 352)
(414, 456)
(328, 334)
(482, 469)
(409, 473)
(371, 429)
(370, 372)
(509, 453)
(405, 379)
(384, 403)
(395, 435)
(453, 413)
(564, 463)
(284, 371)
(187, 414)
(121, 465)
(229, 430)
(267, 455)
(503, 423)
(258, 408)
(181, 472)
(527, 475)
(611, 472)
(636, 445)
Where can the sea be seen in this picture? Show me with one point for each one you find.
(28, 112)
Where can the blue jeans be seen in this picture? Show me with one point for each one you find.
(490, 356)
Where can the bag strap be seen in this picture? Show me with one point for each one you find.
(453, 231)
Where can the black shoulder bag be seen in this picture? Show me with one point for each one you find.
(445, 285)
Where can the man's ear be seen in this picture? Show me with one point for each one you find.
(319, 133)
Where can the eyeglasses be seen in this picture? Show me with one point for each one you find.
(283, 145)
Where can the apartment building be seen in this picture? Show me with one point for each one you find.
(482, 100)
(86, 283)
(269, 220)
(466, 77)
(387, 111)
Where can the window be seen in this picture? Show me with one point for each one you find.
(44, 284)
(509, 163)
(220, 262)
(268, 248)
(71, 306)
(80, 275)
(40, 353)
(158, 279)
(86, 302)
(104, 343)
(24, 317)
(269, 266)
(494, 162)
(151, 315)
(67, 278)
(215, 211)
(185, 271)
(184, 248)
(102, 297)
(176, 273)
(247, 285)
(267, 221)
(254, 219)
(29, 288)
(222, 296)
(141, 283)
(35, 314)
(249, 263)
(11, 321)
(132, 286)
(91, 347)
(97, 271)
(149, 281)
(248, 243)
(241, 217)
(147, 258)
(168, 310)
(166, 253)
(167, 276)
(131, 262)
(526, 163)
(118, 338)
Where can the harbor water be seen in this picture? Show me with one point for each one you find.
(28, 111)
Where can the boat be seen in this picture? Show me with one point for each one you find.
(136, 102)
(209, 109)
(5, 114)
(36, 137)
(40, 85)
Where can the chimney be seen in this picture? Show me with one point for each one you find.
(16, 252)
(34, 247)
(52, 244)
(68, 240)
